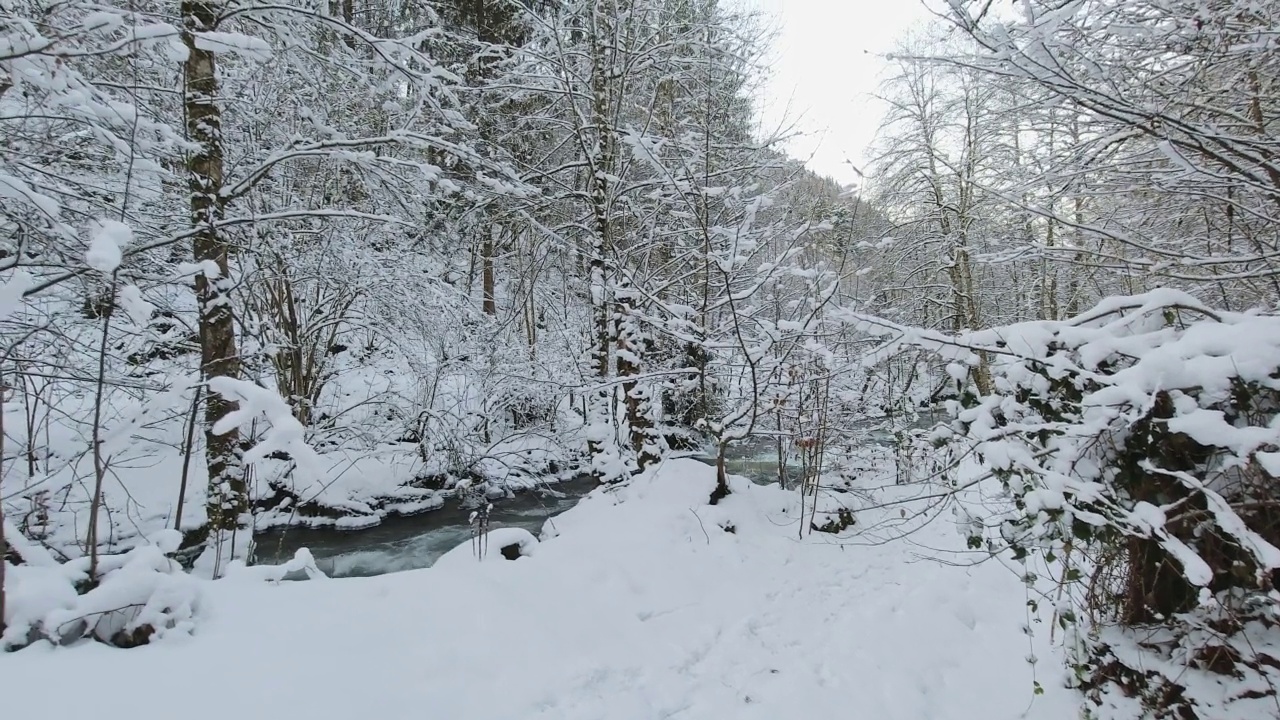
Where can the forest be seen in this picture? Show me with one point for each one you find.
(278, 272)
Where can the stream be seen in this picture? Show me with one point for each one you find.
(416, 541)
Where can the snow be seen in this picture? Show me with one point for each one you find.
(1152, 519)
(302, 563)
(250, 48)
(139, 588)
(1126, 356)
(11, 293)
(102, 20)
(108, 238)
(15, 189)
(135, 306)
(488, 548)
(642, 606)
(284, 434)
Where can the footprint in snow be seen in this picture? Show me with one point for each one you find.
(964, 613)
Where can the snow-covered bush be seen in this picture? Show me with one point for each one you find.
(137, 596)
(1139, 447)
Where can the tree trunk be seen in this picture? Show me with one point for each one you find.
(631, 348)
(486, 34)
(219, 357)
(4, 540)
(348, 16)
(4, 554)
(489, 306)
(601, 163)
(721, 490)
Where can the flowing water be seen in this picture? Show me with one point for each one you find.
(757, 458)
(416, 541)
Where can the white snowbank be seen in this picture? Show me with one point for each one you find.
(488, 548)
(362, 487)
(348, 489)
(141, 590)
(642, 607)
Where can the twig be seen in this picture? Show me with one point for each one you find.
(704, 529)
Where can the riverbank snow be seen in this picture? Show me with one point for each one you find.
(641, 603)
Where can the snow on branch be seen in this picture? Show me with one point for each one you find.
(1157, 383)
(284, 434)
(1135, 448)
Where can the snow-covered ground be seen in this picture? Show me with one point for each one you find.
(642, 607)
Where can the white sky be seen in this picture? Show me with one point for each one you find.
(826, 66)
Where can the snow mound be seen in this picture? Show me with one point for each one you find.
(492, 546)
(644, 603)
(140, 596)
(348, 490)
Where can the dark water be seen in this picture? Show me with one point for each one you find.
(409, 543)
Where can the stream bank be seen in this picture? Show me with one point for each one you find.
(417, 541)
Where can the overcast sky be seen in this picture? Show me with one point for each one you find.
(825, 68)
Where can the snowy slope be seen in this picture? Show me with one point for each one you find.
(641, 607)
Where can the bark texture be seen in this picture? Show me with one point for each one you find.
(219, 356)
